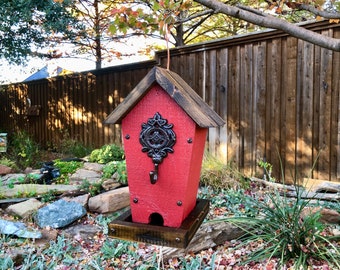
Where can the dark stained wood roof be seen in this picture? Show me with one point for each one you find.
(178, 89)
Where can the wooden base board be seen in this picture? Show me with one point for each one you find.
(124, 228)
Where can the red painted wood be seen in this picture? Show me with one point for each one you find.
(178, 173)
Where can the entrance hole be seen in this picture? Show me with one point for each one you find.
(156, 219)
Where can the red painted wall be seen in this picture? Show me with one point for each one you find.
(178, 173)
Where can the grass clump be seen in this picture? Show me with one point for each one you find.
(284, 234)
(72, 147)
(219, 176)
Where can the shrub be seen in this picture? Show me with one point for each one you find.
(24, 150)
(107, 153)
(118, 167)
(9, 163)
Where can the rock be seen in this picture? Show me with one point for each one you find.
(82, 232)
(93, 167)
(110, 201)
(24, 209)
(5, 169)
(109, 184)
(327, 215)
(13, 178)
(82, 200)
(80, 175)
(30, 190)
(48, 235)
(59, 214)
(17, 228)
(28, 170)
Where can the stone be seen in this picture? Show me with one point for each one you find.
(110, 201)
(109, 184)
(82, 232)
(35, 189)
(59, 214)
(82, 174)
(327, 215)
(18, 229)
(82, 200)
(13, 178)
(93, 166)
(48, 235)
(24, 209)
(5, 169)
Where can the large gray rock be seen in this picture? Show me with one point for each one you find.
(24, 209)
(59, 214)
(17, 228)
(110, 201)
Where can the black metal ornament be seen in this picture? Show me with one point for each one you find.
(157, 139)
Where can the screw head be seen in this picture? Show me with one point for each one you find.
(127, 136)
(135, 200)
(179, 203)
(189, 140)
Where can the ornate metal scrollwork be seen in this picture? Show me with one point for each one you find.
(157, 139)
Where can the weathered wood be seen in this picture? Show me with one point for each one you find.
(209, 235)
(319, 186)
(124, 228)
(272, 184)
(313, 195)
(178, 90)
(313, 192)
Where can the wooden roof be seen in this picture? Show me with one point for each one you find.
(179, 91)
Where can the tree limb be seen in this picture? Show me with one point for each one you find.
(322, 13)
(268, 21)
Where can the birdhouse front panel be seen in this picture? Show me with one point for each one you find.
(164, 149)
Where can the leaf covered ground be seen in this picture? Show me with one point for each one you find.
(98, 251)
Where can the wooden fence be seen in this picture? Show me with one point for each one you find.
(279, 96)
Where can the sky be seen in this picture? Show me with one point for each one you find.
(17, 73)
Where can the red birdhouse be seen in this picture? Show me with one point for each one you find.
(164, 126)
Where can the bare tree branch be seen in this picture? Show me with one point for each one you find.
(322, 13)
(262, 19)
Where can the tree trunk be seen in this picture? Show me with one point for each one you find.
(97, 46)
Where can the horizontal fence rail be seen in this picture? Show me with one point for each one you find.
(279, 96)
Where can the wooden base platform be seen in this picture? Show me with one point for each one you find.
(124, 228)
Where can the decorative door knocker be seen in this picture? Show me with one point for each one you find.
(157, 139)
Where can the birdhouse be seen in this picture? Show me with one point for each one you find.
(164, 125)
